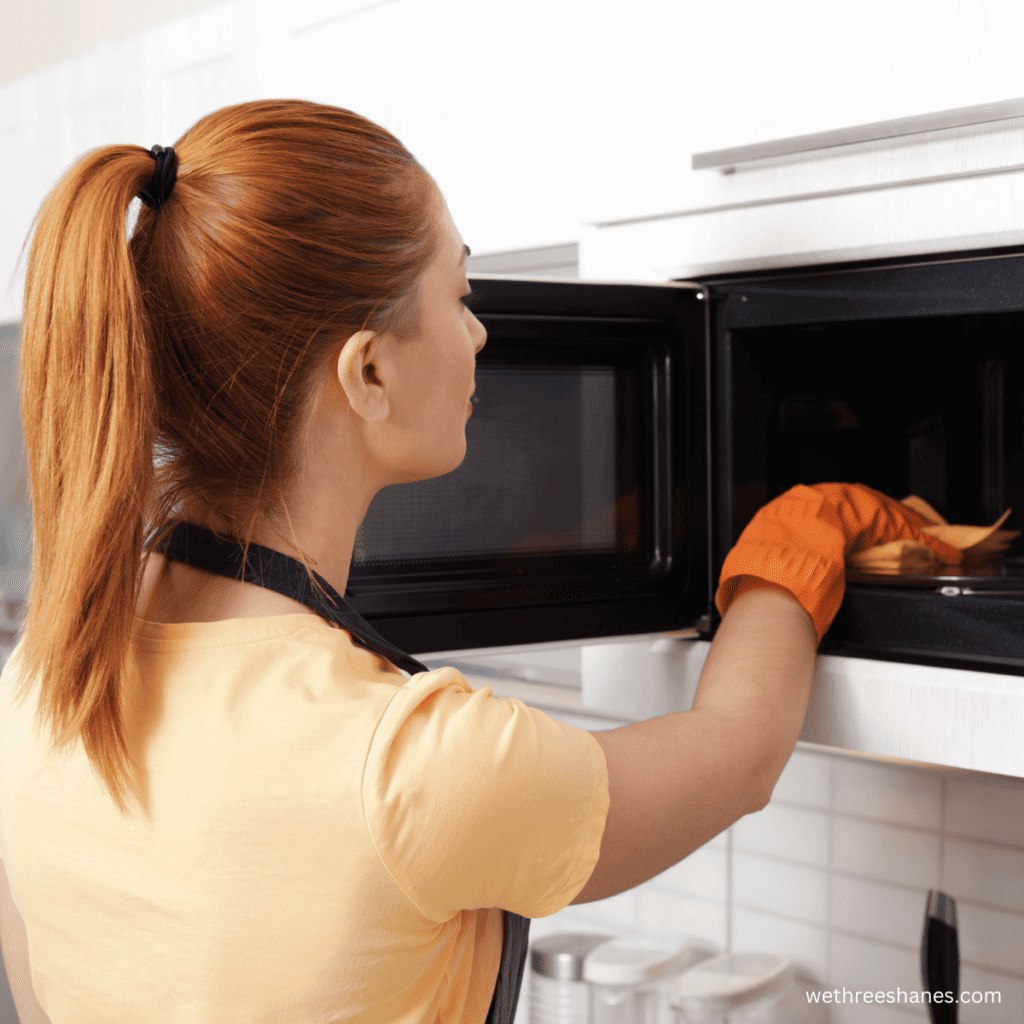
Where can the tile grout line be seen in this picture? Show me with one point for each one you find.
(871, 879)
(876, 940)
(939, 831)
(847, 933)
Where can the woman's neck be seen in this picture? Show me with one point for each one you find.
(322, 532)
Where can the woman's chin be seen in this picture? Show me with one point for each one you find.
(434, 467)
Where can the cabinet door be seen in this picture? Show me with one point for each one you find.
(689, 80)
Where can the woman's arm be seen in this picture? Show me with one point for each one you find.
(678, 780)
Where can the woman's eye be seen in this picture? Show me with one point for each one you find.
(468, 300)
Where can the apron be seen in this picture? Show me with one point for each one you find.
(203, 549)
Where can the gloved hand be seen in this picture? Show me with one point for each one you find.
(801, 539)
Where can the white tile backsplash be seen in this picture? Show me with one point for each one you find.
(805, 944)
(702, 875)
(985, 807)
(984, 873)
(991, 938)
(617, 913)
(779, 886)
(886, 853)
(859, 966)
(876, 910)
(887, 793)
(1009, 1009)
(792, 832)
(806, 781)
(670, 915)
(720, 842)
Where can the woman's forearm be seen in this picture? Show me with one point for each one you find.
(759, 671)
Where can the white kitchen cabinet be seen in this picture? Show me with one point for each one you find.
(679, 79)
(949, 214)
(683, 80)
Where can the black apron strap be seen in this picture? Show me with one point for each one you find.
(203, 549)
(510, 975)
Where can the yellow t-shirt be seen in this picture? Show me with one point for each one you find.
(326, 840)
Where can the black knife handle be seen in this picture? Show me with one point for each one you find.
(940, 958)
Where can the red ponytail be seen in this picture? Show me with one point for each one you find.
(179, 365)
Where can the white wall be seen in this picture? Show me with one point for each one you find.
(505, 136)
(36, 34)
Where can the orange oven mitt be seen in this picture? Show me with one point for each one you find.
(802, 540)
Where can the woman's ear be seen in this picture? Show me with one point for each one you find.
(359, 378)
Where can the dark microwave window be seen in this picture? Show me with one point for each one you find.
(932, 406)
(542, 476)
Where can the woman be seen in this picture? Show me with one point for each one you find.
(244, 810)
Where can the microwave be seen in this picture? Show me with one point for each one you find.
(623, 435)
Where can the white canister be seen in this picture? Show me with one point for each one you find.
(558, 993)
(628, 978)
(737, 988)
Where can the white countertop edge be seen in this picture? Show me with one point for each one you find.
(511, 650)
(956, 718)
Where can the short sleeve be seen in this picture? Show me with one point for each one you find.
(475, 801)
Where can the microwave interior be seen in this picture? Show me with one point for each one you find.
(931, 406)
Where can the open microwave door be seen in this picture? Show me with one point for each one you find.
(581, 507)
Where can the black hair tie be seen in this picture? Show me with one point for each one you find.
(159, 188)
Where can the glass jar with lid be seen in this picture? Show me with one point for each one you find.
(628, 978)
(558, 993)
(737, 988)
